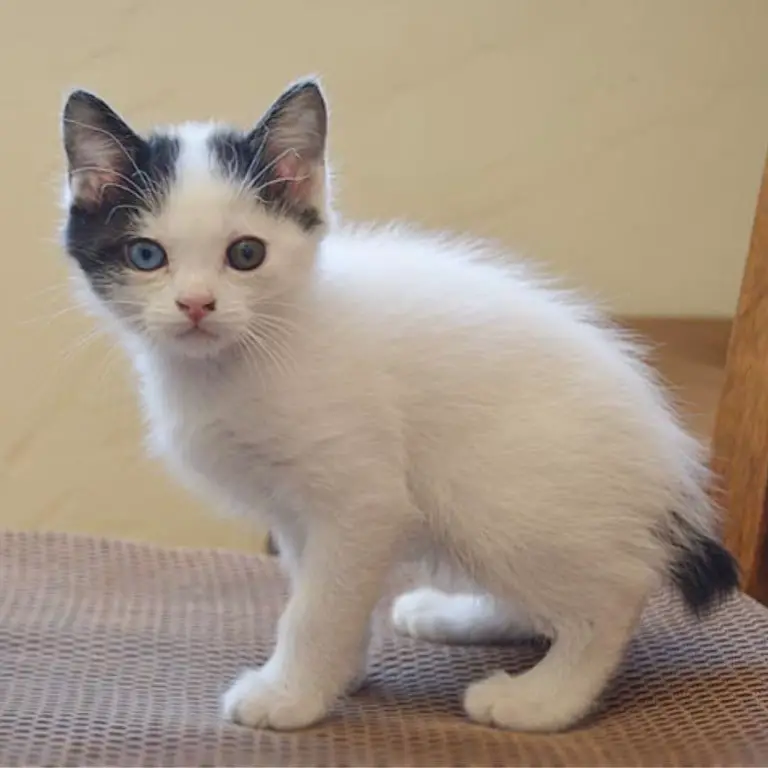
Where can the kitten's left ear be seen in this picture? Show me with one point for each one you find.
(291, 141)
(101, 149)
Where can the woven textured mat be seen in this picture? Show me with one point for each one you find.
(115, 654)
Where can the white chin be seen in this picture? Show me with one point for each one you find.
(198, 345)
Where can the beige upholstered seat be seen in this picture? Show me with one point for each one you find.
(115, 654)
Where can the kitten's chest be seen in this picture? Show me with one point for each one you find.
(228, 440)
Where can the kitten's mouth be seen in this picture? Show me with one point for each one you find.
(197, 342)
(196, 332)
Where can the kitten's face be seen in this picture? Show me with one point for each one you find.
(195, 238)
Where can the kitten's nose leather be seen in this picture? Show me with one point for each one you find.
(196, 307)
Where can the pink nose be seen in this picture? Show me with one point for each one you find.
(196, 307)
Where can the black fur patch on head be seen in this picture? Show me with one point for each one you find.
(281, 161)
(114, 176)
(95, 236)
(242, 157)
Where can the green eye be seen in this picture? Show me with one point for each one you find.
(146, 255)
(246, 253)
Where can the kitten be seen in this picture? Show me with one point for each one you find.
(382, 395)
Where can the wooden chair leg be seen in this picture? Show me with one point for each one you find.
(740, 443)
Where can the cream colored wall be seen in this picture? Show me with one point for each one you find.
(619, 140)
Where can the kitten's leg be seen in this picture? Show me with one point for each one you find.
(429, 614)
(289, 548)
(565, 685)
(322, 635)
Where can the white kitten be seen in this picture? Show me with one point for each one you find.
(378, 395)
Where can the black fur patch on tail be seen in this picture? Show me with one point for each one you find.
(272, 548)
(703, 569)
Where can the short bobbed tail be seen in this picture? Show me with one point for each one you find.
(702, 569)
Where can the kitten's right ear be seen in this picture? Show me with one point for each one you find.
(101, 149)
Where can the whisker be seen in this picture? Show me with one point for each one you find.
(80, 344)
(253, 185)
(46, 289)
(257, 191)
(282, 330)
(270, 316)
(276, 351)
(245, 181)
(272, 163)
(116, 208)
(107, 363)
(252, 354)
(50, 317)
(134, 189)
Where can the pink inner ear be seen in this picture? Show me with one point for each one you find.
(297, 175)
(89, 186)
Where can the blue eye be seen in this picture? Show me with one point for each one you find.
(146, 255)
(246, 253)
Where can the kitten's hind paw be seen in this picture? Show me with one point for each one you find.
(428, 614)
(516, 703)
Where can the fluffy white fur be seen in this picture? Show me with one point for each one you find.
(376, 395)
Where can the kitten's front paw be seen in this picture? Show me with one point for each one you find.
(261, 700)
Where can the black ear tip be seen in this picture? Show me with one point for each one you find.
(310, 87)
(78, 96)
(79, 100)
(311, 83)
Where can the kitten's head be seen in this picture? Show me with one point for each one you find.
(192, 237)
